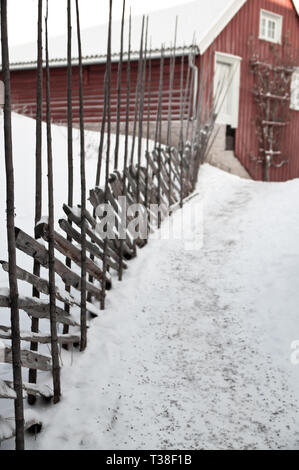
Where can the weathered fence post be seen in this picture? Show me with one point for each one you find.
(128, 102)
(38, 174)
(169, 127)
(138, 93)
(107, 97)
(52, 287)
(69, 137)
(181, 138)
(149, 91)
(11, 242)
(141, 111)
(158, 135)
(83, 191)
(119, 76)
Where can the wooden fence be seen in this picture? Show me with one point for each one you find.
(79, 260)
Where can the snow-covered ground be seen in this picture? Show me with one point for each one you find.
(194, 348)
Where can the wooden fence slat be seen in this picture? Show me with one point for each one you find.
(6, 391)
(132, 189)
(37, 308)
(96, 198)
(165, 177)
(117, 191)
(30, 359)
(41, 390)
(112, 250)
(7, 427)
(42, 286)
(43, 338)
(129, 235)
(175, 175)
(100, 197)
(91, 247)
(32, 248)
(70, 251)
(164, 186)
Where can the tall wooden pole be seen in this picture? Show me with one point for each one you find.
(39, 116)
(149, 91)
(69, 136)
(128, 102)
(190, 100)
(102, 133)
(38, 173)
(83, 191)
(185, 101)
(181, 138)
(118, 117)
(69, 107)
(119, 77)
(158, 136)
(11, 242)
(160, 98)
(171, 83)
(52, 289)
(203, 115)
(138, 94)
(141, 111)
(107, 95)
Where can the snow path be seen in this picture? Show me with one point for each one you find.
(193, 350)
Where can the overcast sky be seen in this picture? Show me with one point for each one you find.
(23, 13)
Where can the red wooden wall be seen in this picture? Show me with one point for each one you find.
(240, 38)
(23, 85)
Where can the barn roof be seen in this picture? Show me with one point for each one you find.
(296, 5)
(199, 22)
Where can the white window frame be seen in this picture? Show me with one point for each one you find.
(270, 16)
(235, 62)
(294, 104)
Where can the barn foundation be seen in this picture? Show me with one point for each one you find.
(225, 159)
(218, 156)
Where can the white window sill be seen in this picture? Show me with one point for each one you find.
(273, 41)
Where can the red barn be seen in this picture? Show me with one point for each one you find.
(251, 47)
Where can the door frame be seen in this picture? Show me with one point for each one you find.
(235, 62)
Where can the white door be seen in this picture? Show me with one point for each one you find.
(227, 88)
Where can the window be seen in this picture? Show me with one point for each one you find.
(270, 26)
(295, 90)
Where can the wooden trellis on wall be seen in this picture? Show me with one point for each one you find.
(272, 95)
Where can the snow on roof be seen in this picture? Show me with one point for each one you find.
(200, 20)
(296, 5)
